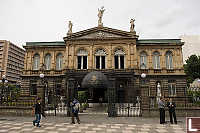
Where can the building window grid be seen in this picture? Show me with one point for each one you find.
(100, 57)
(156, 60)
(82, 59)
(169, 60)
(119, 59)
(33, 89)
(143, 60)
(47, 61)
(172, 89)
(59, 62)
(36, 62)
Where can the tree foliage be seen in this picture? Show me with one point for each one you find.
(192, 68)
(12, 91)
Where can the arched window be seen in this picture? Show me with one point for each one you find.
(82, 59)
(100, 56)
(156, 60)
(59, 61)
(47, 61)
(169, 60)
(119, 59)
(143, 60)
(36, 62)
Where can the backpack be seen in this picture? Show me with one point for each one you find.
(76, 106)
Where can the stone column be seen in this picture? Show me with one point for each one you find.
(66, 57)
(135, 57)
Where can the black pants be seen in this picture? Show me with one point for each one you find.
(77, 118)
(172, 114)
(162, 115)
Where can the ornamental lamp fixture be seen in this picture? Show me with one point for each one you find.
(4, 77)
(41, 75)
(143, 75)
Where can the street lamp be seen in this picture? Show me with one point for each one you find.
(143, 75)
(2, 90)
(43, 82)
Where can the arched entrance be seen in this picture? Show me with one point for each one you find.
(96, 83)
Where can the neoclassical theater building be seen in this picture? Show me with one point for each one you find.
(102, 55)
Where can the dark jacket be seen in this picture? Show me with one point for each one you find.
(38, 108)
(75, 106)
(171, 106)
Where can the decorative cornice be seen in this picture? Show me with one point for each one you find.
(100, 34)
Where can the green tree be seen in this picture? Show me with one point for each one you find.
(12, 91)
(192, 68)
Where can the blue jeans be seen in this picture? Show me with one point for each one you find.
(37, 120)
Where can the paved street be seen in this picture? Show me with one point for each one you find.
(90, 124)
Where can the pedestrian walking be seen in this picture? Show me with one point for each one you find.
(161, 106)
(37, 110)
(171, 106)
(75, 106)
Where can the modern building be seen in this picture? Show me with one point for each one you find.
(11, 61)
(101, 59)
(191, 46)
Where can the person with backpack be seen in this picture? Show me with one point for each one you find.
(38, 111)
(75, 105)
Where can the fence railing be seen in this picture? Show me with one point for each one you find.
(181, 102)
(128, 109)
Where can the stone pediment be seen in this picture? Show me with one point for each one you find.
(100, 33)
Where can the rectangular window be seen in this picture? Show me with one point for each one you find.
(58, 89)
(116, 62)
(97, 62)
(84, 62)
(172, 89)
(103, 62)
(121, 62)
(79, 62)
(33, 89)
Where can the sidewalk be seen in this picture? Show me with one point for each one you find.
(90, 124)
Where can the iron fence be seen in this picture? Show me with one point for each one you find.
(181, 102)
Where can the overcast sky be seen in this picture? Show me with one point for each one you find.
(47, 20)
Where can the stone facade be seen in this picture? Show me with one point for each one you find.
(122, 60)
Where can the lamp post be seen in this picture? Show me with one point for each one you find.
(3, 88)
(143, 76)
(43, 83)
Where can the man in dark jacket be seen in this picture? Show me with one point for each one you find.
(37, 108)
(171, 105)
(75, 106)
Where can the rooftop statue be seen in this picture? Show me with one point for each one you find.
(132, 25)
(100, 14)
(70, 28)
